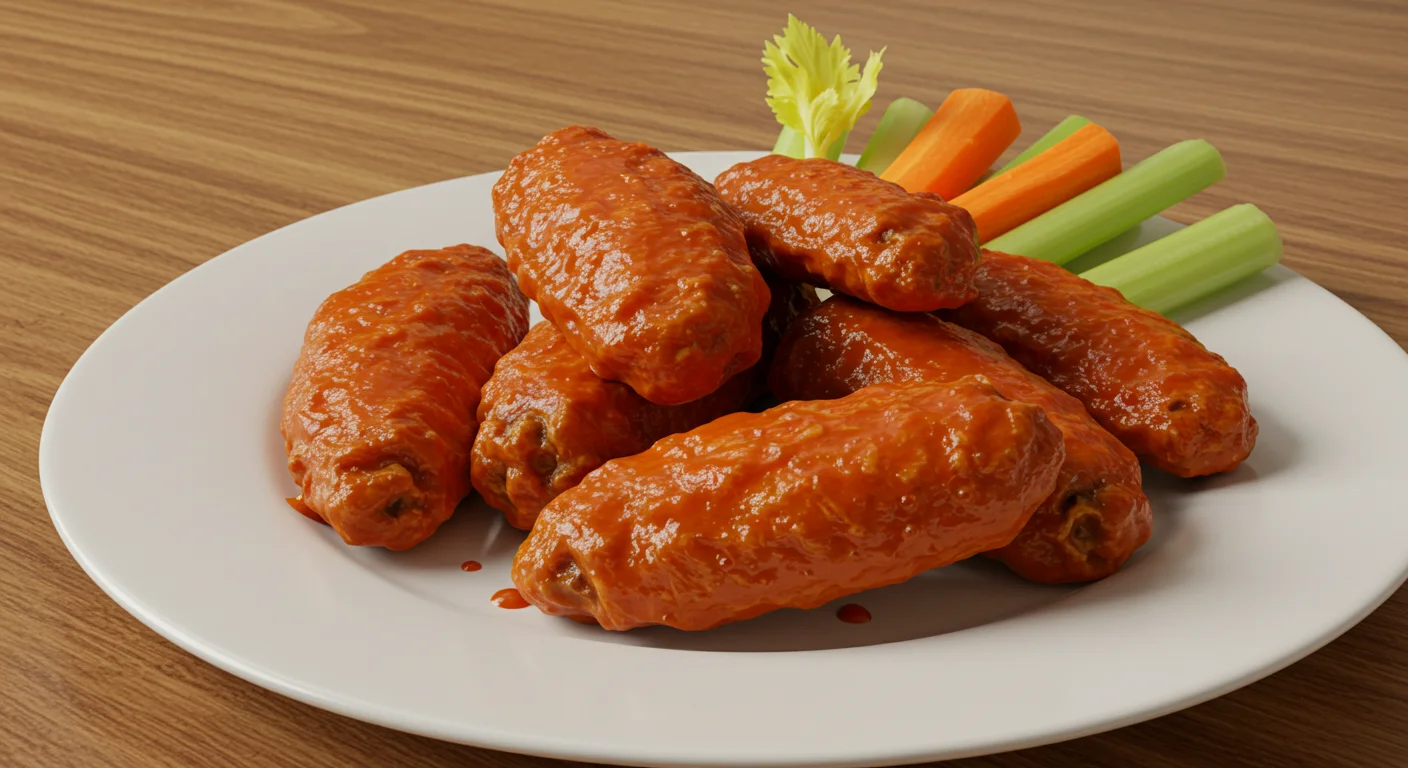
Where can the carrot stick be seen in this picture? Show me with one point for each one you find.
(1070, 167)
(972, 128)
(1048, 140)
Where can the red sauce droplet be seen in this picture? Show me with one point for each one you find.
(470, 566)
(853, 614)
(509, 598)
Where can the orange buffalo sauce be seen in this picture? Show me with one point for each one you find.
(509, 598)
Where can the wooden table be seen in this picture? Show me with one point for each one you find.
(138, 139)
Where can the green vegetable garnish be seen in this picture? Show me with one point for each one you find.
(1194, 262)
(901, 121)
(1099, 214)
(790, 143)
(813, 88)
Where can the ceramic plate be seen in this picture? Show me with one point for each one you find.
(163, 469)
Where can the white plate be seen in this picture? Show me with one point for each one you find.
(164, 472)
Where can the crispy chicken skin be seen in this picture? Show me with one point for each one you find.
(1175, 404)
(792, 507)
(546, 420)
(635, 259)
(831, 224)
(1097, 515)
(380, 414)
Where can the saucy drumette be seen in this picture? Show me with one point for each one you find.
(792, 507)
(635, 260)
(380, 415)
(1177, 405)
(831, 224)
(1097, 515)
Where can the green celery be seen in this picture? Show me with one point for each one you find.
(1099, 214)
(792, 144)
(814, 89)
(1194, 262)
(1141, 234)
(898, 126)
(1053, 137)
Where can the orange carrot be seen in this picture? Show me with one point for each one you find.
(1071, 166)
(972, 129)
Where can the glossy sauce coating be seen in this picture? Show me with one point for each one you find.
(546, 420)
(380, 414)
(509, 598)
(792, 507)
(635, 259)
(1097, 515)
(1148, 381)
(298, 506)
(829, 223)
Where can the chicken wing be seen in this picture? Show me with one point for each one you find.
(792, 507)
(380, 414)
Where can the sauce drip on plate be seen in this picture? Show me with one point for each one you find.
(470, 566)
(509, 598)
(853, 614)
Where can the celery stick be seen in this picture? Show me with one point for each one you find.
(1097, 215)
(1194, 262)
(793, 144)
(789, 143)
(1137, 236)
(901, 121)
(834, 153)
(1053, 137)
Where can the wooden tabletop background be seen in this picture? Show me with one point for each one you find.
(139, 138)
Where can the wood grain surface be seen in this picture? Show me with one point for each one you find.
(139, 138)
